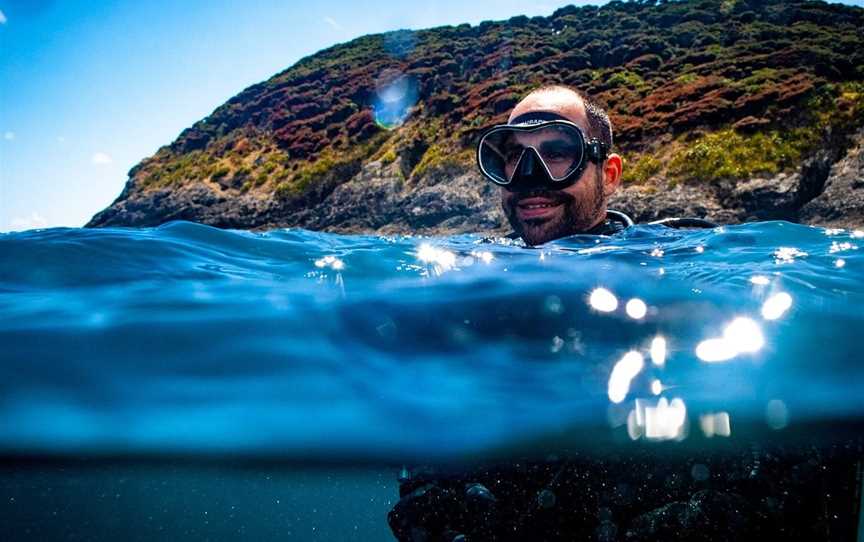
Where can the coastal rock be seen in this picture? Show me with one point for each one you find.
(841, 204)
(448, 200)
(666, 200)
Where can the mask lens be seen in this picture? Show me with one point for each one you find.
(560, 147)
(499, 154)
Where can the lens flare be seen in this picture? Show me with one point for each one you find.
(395, 94)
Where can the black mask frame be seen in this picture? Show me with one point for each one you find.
(526, 171)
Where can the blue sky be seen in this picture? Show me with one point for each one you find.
(88, 89)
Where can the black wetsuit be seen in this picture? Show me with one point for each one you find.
(616, 222)
(734, 491)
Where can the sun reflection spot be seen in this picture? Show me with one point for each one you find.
(657, 252)
(441, 259)
(858, 234)
(603, 300)
(776, 414)
(839, 262)
(788, 255)
(776, 305)
(715, 424)
(483, 255)
(713, 350)
(658, 351)
(332, 262)
(742, 335)
(636, 309)
(745, 334)
(623, 372)
(656, 387)
(700, 249)
(760, 280)
(663, 421)
(840, 247)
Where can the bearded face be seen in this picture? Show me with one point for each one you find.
(539, 216)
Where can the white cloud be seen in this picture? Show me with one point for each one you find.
(35, 220)
(332, 22)
(2, 17)
(9, 136)
(100, 159)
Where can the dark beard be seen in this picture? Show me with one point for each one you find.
(578, 216)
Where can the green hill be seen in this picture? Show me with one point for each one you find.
(730, 109)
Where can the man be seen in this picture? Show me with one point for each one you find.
(553, 162)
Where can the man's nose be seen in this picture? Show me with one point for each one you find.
(530, 173)
(526, 168)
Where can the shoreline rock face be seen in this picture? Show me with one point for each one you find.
(727, 110)
(458, 200)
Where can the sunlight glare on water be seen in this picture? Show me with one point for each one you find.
(293, 343)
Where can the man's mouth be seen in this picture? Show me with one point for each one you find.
(536, 207)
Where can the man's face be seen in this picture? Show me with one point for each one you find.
(541, 215)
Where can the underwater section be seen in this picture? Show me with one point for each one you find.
(422, 358)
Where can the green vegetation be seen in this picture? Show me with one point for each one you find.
(220, 172)
(627, 79)
(726, 154)
(179, 169)
(389, 156)
(643, 168)
(759, 79)
(686, 78)
(437, 156)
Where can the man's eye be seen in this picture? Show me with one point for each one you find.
(512, 153)
(558, 153)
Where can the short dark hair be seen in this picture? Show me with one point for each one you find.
(599, 125)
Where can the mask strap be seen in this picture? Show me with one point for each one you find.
(535, 117)
(597, 151)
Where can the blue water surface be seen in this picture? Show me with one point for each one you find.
(290, 343)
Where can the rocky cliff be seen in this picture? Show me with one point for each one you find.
(733, 110)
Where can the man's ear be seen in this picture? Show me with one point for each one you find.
(612, 170)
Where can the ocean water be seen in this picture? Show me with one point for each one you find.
(154, 357)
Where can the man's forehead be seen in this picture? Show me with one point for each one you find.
(566, 104)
